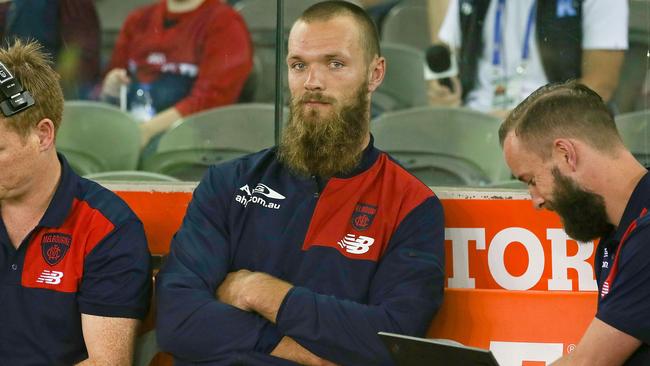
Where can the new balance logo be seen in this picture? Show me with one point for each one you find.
(356, 244)
(605, 290)
(50, 277)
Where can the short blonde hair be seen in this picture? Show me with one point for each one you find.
(328, 10)
(28, 63)
(569, 110)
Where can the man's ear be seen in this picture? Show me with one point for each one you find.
(46, 134)
(376, 72)
(565, 154)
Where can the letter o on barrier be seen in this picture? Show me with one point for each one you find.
(496, 259)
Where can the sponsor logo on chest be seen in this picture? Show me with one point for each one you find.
(261, 195)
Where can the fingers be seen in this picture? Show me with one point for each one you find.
(458, 87)
(440, 95)
(113, 81)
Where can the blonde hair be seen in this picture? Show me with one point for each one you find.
(328, 10)
(568, 109)
(28, 63)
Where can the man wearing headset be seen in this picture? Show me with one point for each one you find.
(74, 261)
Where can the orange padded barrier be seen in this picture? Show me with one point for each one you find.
(160, 212)
(533, 324)
(516, 284)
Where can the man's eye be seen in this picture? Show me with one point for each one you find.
(298, 66)
(336, 64)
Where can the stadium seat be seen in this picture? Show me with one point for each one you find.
(443, 146)
(260, 15)
(212, 136)
(508, 184)
(131, 176)
(631, 93)
(112, 14)
(146, 348)
(403, 86)
(635, 131)
(253, 82)
(260, 18)
(407, 25)
(97, 137)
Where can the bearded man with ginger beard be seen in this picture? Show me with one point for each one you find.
(303, 252)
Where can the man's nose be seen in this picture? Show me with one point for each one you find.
(314, 79)
(538, 201)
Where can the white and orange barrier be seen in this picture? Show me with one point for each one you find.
(515, 282)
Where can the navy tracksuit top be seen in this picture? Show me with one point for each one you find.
(365, 253)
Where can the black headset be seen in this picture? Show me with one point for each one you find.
(14, 98)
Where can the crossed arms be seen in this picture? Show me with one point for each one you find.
(210, 310)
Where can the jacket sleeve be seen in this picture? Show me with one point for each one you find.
(191, 323)
(404, 295)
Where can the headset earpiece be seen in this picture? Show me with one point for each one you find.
(15, 98)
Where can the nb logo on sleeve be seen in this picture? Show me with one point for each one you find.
(50, 277)
(356, 245)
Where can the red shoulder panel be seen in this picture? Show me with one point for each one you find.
(357, 216)
(55, 256)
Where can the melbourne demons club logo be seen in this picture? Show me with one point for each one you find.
(363, 216)
(54, 246)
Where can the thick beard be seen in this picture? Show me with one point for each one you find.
(583, 213)
(325, 146)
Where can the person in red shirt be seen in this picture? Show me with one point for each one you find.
(191, 54)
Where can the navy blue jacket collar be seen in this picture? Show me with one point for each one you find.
(639, 200)
(61, 203)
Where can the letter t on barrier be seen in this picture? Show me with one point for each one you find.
(460, 238)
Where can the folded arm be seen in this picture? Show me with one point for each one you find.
(403, 296)
(192, 324)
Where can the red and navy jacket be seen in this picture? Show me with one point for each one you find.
(622, 268)
(87, 255)
(364, 252)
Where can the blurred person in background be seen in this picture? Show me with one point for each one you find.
(506, 49)
(186, 55)
(68, 30)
